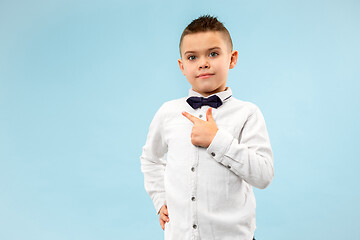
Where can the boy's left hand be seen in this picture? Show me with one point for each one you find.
(203, 132)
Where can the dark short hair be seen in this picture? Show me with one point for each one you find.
(206, 23)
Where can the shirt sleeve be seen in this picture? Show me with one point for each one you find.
(250, 157)
(153, 161)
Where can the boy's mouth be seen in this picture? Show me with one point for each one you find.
(205, 75)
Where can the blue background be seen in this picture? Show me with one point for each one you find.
(81, 80)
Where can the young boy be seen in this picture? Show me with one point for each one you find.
(205, 152)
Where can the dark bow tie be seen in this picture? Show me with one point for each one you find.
(196, 102)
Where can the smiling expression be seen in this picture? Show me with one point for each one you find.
(206, 58)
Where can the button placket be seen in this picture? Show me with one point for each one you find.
(195, 161)
(193, 177)
(201, 113)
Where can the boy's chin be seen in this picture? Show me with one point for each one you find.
(206, 88)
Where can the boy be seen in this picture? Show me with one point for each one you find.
(202, 189)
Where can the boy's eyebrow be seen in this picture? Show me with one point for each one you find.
(210, 49)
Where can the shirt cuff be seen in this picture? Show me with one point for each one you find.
(220, 145)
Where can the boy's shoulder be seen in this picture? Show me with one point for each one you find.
(174, 104)
(241, 104)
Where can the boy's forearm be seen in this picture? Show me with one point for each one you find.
(153, 163)
(154, 180)
(251, 158)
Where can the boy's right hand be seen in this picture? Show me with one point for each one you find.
(163, 216)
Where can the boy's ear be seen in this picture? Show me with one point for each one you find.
(181, 65)
(233, 60)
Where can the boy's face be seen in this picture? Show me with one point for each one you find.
(206, 58)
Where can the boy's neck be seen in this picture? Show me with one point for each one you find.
(211, 93)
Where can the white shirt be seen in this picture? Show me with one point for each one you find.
(208, 191)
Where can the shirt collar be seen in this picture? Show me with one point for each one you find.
(224, 95)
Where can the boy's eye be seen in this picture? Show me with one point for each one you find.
(213, 54)
(191, 57)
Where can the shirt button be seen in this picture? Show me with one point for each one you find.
(228, 166)
(194, 226)
(200, 116)
(213, 154)
(193, 198)
(193, 169)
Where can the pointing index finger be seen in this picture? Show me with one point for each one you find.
(192, 118)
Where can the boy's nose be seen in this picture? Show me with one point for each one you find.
(204, 64)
